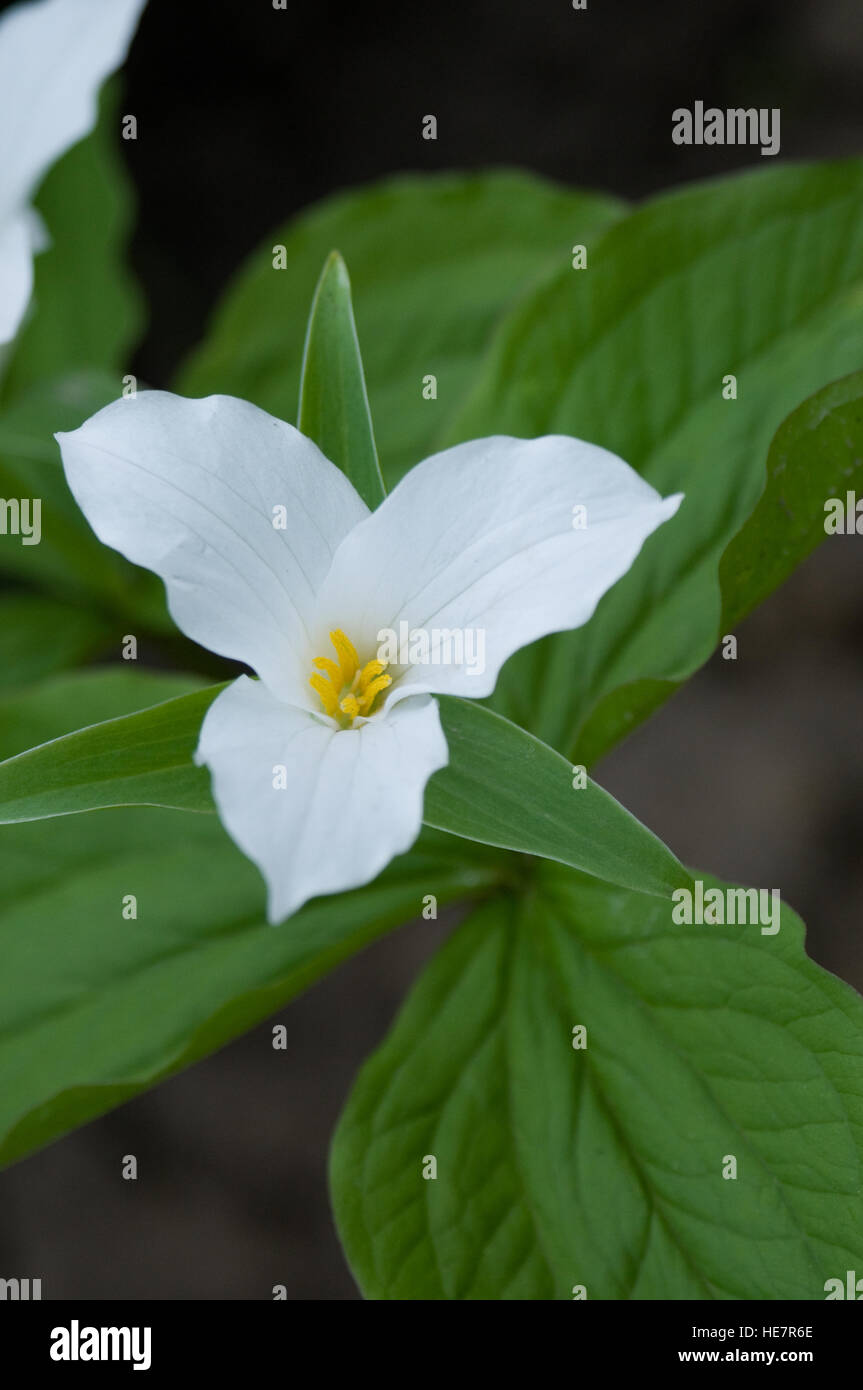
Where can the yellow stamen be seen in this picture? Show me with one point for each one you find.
(331, 668)
(347, 654)
(374, 689)
(346, 690)
(370, 672)
(327, 692)
(350, 706)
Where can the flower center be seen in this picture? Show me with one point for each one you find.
(347, 690)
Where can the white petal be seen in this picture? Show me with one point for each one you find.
(54, 57)
(353, 797)
(481, 539)
(16, 271)
(188, 488)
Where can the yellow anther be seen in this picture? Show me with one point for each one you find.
(373, 689)
(346, 690)
(347, 654)
(350, 706)
(327, 692)
(331, 668)
(370, 672)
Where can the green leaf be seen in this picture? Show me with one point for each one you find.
(69, 562)
(602, 1166)
(334, 406)
(759, 276)
(97, 1006)
(39, 637)
(434, 261)
(86, 311)
(816, 454)
(502, 787)
(141, 759)
(82, 698)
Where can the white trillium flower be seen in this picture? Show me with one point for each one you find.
(54, 57)
(269, 556)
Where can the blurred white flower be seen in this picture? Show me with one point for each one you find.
(54, 57)
(270, 556)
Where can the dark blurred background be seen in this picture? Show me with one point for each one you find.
(754, 771)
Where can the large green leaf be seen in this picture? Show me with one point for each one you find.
(759, 276)
(502, 787)
(95, 1006)
(44, 712)
(85, 311)
(602, 1166)
(69, 562)
(433, 262)
(139, 759)
(334, 405)
(816, 455)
